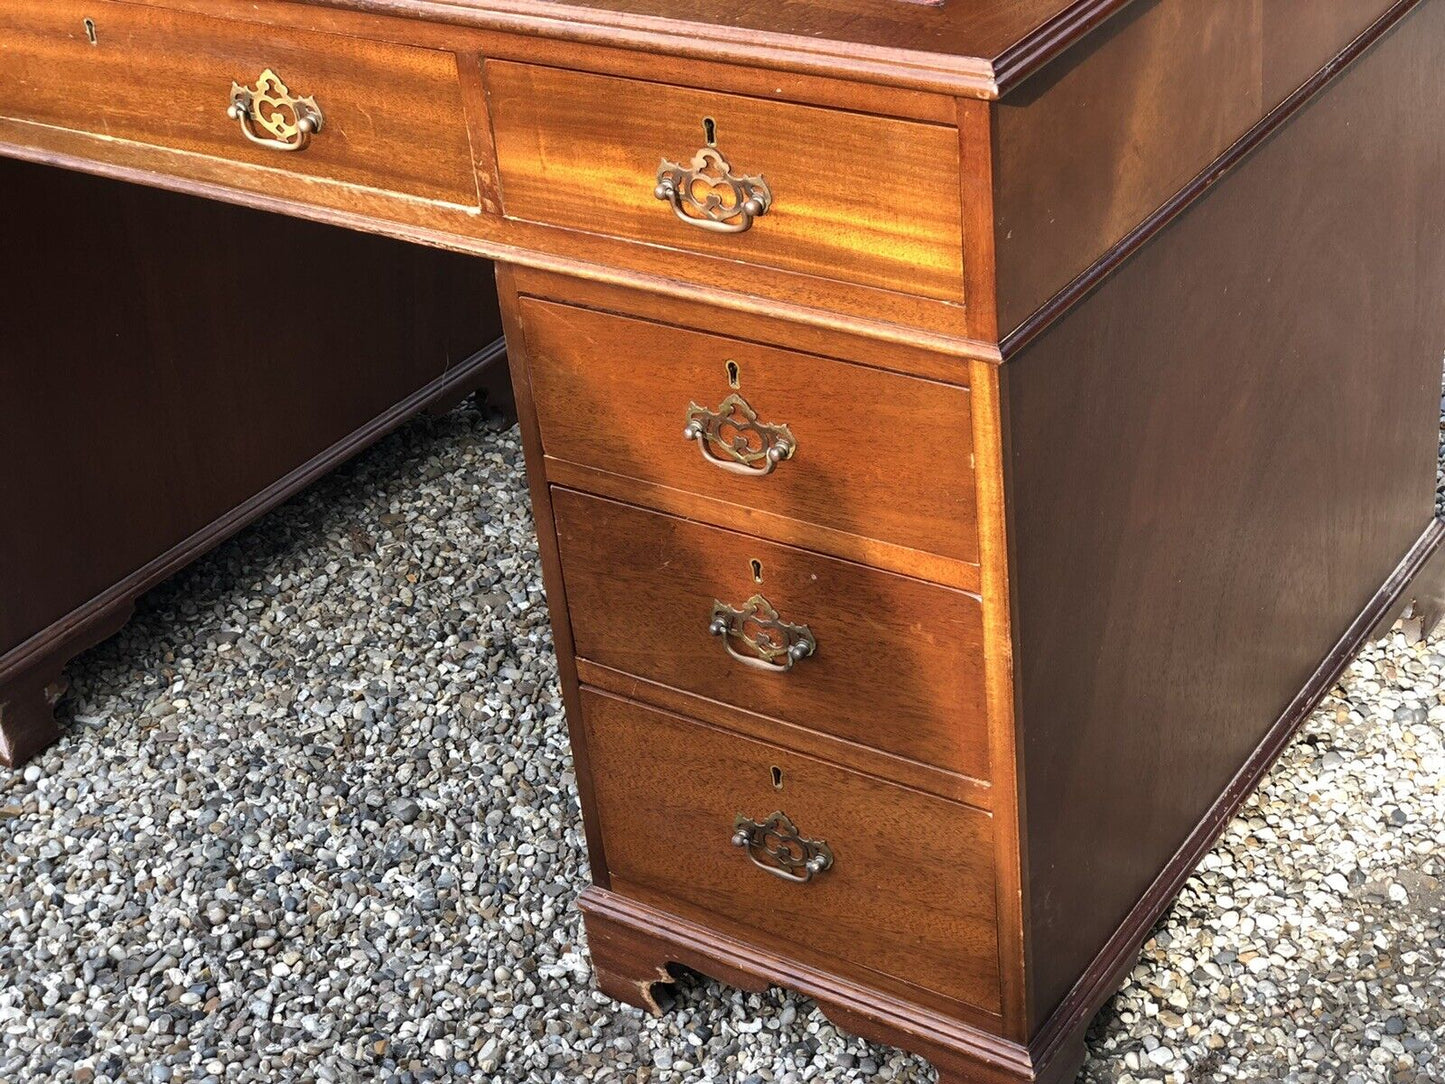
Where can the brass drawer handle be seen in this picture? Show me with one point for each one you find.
(287, 121)
(774, 644)
(789, 855)
(743, 444)
(707, 195)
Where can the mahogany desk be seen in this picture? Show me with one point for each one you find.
(965, 437)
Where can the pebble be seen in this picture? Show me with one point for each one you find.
(315, 818)
(405, 810)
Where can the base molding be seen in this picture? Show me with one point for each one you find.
(30, 672)
(633, 945)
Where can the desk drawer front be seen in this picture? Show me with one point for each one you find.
(864, 199)
(853, 449)
(909, 886)
(895, 665)
(390, 116)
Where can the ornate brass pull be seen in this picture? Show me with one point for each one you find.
(707, 195)
(775, 645)
(287, 121)
(744, 444)
(777, 839)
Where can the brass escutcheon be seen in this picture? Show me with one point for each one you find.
(272, 117)
(772, 643)
(788, 854)
(706, 193)
(731, 437)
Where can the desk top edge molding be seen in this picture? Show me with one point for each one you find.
(957, 73)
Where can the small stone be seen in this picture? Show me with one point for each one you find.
(488, 1056)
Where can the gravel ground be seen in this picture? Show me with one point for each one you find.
(314, 819)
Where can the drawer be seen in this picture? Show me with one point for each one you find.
(869, 452)
(909, 893)
(854, 197)
(391, 116)
(897, 664)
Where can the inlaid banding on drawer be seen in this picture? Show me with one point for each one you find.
(848, 196)
(895, 664)
(901, 883)
(855, 450)
(383, 116)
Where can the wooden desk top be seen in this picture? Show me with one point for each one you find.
(975, 47)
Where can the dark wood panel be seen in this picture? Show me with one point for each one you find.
(876, 455)
(393, 115)
(1104, 136)
(1217, 459)
(574, 150)
(669, 791)
(167, 358)
(1110, 130)
(899, 662)
(1299, 35)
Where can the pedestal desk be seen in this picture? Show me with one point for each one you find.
(966, 437)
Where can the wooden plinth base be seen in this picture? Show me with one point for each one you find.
(27, 715)
(634, 945)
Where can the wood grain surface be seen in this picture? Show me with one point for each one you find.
(1106, 134)
(911, 890)
(866, 199)
(394, 118)
(878, 455)
(974, 48)
(1217, 459)
(899, 662)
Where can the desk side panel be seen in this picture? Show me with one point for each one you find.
(1106, 135)
(1217, 459)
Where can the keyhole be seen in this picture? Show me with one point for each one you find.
(733, 374)
(709, 129)
(777, 777)
(90, 32)
(757, 567)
